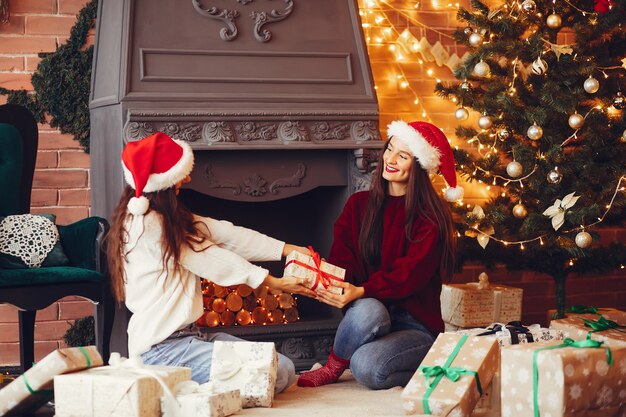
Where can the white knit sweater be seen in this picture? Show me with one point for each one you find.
(161, 306)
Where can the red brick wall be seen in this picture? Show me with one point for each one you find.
(61, 183)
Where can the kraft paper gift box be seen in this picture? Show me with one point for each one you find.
(514, 333)
(34, 388)
(249, 367)
(591, 326)
(468, 305)
(489, 403)
(473, 359)
(200, 400)
(316, 271)
(572, 381)
(125, 388)
(613, 314)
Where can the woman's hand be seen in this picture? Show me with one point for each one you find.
(289, 284)
(290, 248)
(350, 293)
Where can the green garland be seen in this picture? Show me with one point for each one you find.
(81, 333)
(62, 82)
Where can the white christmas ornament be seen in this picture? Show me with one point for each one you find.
(461, 113)
(475, 39)
(529, 6)
(539, 66)
(591, 85)
(482, 69)
(556, 212)
(554, 176)
(576, 121)
(624, 135)
(484, 122)
(483, 240)
(514, 169)
(583, 239)
(535, 132)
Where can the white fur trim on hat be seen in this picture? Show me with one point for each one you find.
(426, 154)
(453, 193)
(171, 177)
(138, 206)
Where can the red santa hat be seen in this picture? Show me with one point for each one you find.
(431, 149)
(154, 163)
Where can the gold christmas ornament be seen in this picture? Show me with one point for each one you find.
(484, 122)
(503, 134)
(554, 21)
(475, 39)
(529, 6)
(591, 85)
(535, 132)
(519, 211)
(466, 86)
(539, 66)
(554, 176)
(576, 121)
(514, 169)
(583, 239)
(482, 69)
(461, 113)
(468, 31)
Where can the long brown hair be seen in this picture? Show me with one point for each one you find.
(179, 228)
(421, 201)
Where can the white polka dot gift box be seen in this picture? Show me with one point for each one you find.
(563, 379)
(591, 326)
(452, 377)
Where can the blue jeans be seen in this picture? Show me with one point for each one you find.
(195, 352)
(384, 347)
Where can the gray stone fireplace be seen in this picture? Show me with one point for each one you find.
(276, 99)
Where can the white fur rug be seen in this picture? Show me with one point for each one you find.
(346, 398)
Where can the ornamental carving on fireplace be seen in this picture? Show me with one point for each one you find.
(255, 185)
(215, 132)
(330, 131)
(251, 131)
(292, 132)
(261, 18)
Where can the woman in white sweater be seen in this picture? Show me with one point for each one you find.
(157, 250)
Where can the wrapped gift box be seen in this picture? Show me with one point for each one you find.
(489, 403)
(126, 389)
(16, 398)
(617, 316)
(443, 396)
(571, 381)
(515, 333)
(195, 400)
(317, 272)
(575, 328)
(470, 305)
(249, 367)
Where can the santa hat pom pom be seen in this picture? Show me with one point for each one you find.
(454, 193)
(138, 206)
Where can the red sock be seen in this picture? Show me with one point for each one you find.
(327, 374)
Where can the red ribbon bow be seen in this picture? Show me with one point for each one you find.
(321, 277)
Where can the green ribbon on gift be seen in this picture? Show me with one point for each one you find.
(581, 309)
(434, 374)
(49, 391)
(601, 325)
(581, 344)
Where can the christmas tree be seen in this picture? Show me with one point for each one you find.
(547, 78)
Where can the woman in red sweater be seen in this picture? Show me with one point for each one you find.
(397, 243)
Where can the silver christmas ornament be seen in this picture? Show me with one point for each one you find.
(484, 122)
(583, 239)
(519, 211)
(591, 85)
(468, 31)
(461, 113)
(482, 69)
(535, 132)
(554, 176)
(576, 121)
(554, 21)
(529, 6)
(539, 66)
(503, 134)
(514, 169)
(619, 102)
(466, 86)
(475, 39)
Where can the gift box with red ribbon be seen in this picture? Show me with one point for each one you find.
(315, 270)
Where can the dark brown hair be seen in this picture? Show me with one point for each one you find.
(421, 201)
(178, 225)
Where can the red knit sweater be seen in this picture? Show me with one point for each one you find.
(408, 275)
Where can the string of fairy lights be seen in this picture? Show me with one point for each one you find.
(405, 48)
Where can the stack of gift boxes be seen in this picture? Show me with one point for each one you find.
(488, 364)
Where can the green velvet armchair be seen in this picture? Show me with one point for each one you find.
(32, 289)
